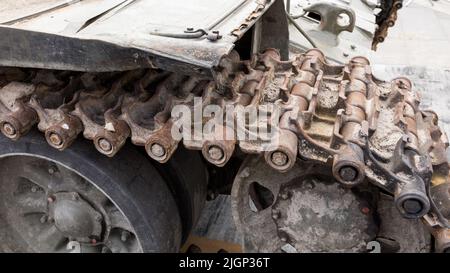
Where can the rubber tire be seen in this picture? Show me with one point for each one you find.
(129, 179)
(188, 178)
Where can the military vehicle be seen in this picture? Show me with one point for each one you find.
(120, 118)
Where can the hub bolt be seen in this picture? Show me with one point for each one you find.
(52, 170)
(98, 218)
(75, 196)
(275, 214)
(43, 219)
(285, 195)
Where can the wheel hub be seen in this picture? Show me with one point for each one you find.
(49, 208)
(301, 210)
(316, 215)
(74, 217)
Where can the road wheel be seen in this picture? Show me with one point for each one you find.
(79, 200)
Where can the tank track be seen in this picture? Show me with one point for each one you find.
(340, 116)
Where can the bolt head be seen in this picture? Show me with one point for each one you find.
(105, 145)
(275, 214)
(348, 173)
(158, 150)
(9, 129)
(412, 206)
(285, 195)
(55, 139)
(75, 196)
(215, 153)
(51, 170)
(43, 219)
(279, 159)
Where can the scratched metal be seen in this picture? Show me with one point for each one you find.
(154, 24)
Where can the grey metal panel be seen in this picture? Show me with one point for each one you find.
(130, 24)
(23, 48)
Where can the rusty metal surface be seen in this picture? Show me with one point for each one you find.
(309, 212)
(433, 82)
(88, 33)
(338, 118)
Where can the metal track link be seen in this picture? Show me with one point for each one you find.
(338, 116)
